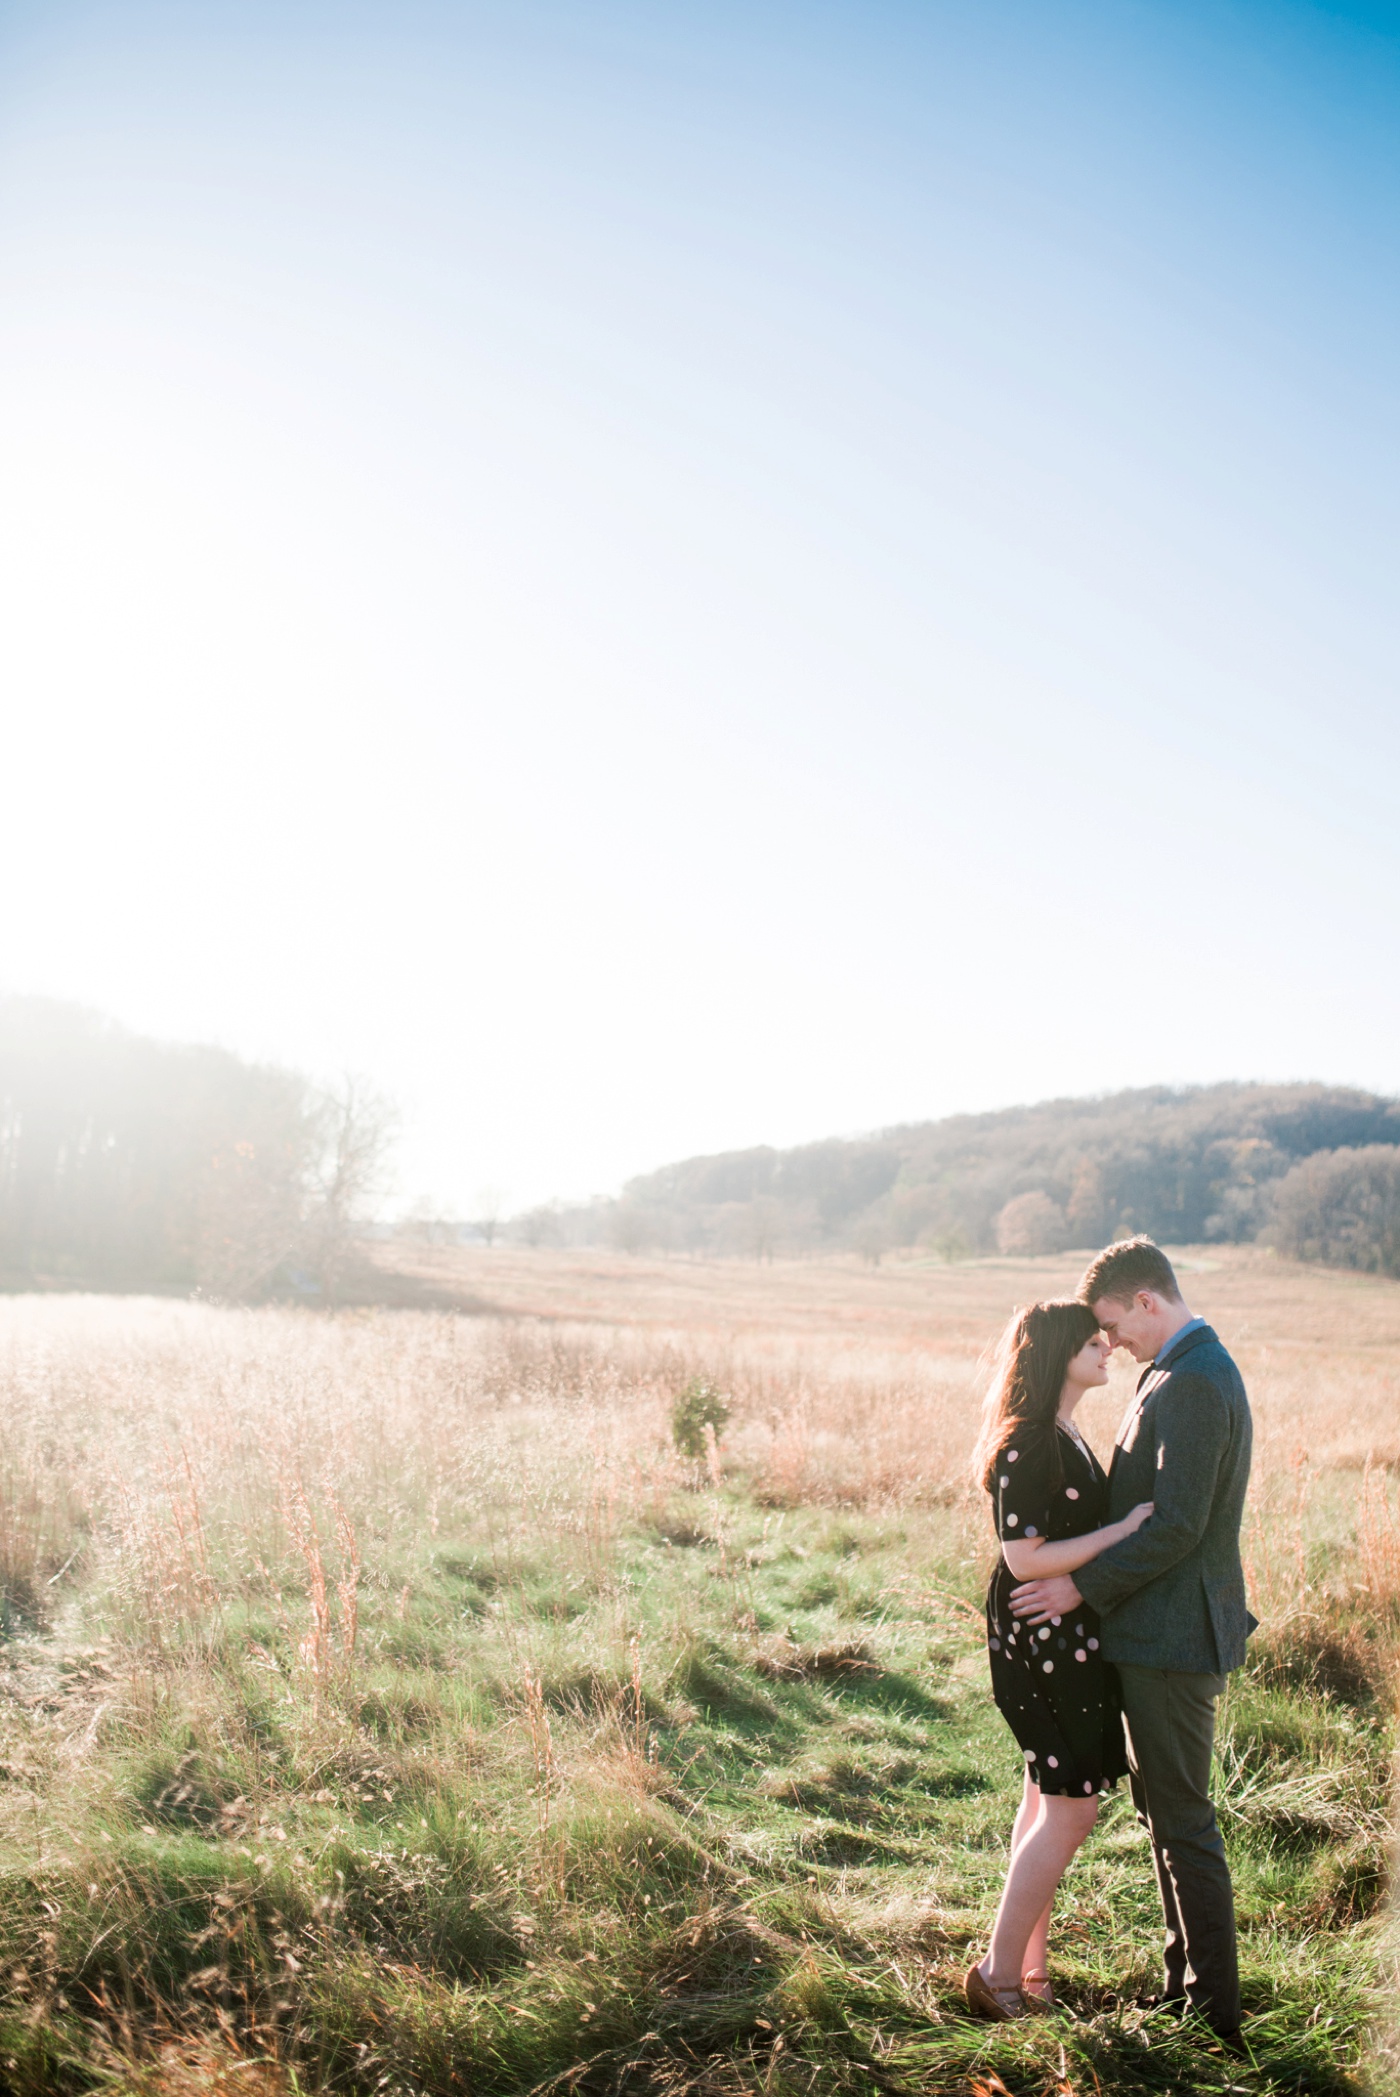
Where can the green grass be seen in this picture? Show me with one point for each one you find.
(718, 1804)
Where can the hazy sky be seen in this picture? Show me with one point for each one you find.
(662, 576)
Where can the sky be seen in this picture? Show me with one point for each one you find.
(655, 577)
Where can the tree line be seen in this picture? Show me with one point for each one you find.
(134, 1164)
(1313, 1169)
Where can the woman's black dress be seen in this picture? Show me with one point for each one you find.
(1051, 1683)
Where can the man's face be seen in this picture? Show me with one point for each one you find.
(1139, 1325)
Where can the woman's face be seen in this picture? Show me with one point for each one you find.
(1090, 1365)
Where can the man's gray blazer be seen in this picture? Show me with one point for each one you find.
(1172, 1595)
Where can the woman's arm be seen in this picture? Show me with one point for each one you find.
(1035, 1558)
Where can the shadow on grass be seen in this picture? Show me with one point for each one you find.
(892, 1695)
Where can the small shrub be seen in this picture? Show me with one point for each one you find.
(701, 1405)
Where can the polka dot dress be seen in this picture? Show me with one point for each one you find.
(1051, 1683)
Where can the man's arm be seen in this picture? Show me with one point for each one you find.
(1192, 1422)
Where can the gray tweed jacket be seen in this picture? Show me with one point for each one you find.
(1172, 1596)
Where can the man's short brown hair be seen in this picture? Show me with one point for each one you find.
(1121, 1270)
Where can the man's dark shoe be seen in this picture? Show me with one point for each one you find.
(1174, 2005)
(1233, 2042)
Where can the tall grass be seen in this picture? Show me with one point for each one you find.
(388, 1703)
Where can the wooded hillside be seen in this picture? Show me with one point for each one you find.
(1186, 1166)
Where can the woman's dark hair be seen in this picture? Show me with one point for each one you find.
(1032, 1357)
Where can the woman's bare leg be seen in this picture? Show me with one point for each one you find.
(1038, 1863)
(1036, 1955)
(1027, 1813)
(1035, 1959)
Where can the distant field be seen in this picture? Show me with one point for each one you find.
(388, 1705)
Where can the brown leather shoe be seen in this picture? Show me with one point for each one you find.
(1001, 2005)
(1040, 2000)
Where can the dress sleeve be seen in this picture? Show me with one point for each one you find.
(1022, 1489)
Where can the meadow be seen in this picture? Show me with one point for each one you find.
(421, 1700)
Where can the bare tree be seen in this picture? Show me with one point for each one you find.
(489, 1203)
(355, 1125)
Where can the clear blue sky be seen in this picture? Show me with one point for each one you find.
(660, 577)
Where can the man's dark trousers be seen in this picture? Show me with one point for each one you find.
(1169, 1719)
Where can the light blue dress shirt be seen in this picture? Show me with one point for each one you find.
(1191, 1325)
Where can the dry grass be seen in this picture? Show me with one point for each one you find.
(863, 1381)
(329, 1605)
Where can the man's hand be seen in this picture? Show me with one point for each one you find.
(1046, 1601)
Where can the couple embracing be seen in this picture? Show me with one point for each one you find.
(1116, 1611)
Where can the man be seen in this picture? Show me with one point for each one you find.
(1171, 1602)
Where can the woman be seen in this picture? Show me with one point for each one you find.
(1052, 1686)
